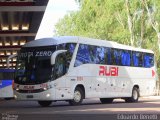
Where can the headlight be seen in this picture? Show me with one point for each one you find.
(17, 89)
(45, 88)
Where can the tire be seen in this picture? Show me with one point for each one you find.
(134, 97)
(9, 98)
(106, 100)
(45, 103)
(78, 97)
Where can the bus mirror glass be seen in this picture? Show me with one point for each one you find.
(10, 57)
(55, 54)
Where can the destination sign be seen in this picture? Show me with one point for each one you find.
(36, 54)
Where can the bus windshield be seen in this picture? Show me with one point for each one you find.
(34, 64)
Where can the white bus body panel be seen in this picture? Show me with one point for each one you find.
(112, 86)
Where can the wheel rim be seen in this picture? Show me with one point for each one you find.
(77, 96)
(135, 95)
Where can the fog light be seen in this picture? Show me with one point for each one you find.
(48, 95)
(15, 96)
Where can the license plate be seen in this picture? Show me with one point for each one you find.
(29, 96)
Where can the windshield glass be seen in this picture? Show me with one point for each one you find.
(34, 64)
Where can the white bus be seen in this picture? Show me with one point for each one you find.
(74, 68)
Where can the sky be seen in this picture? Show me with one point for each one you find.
(55, 10)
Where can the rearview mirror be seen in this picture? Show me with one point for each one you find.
(10, 57)
(55, 54)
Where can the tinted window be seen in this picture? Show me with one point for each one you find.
(126, 58)
(116, 57)
(69, 46)
(92, 54)
(112, 56)
(148, 60)
(70, 49)
(137, 58)
(102, 55)
(84, 55)
(43, 63)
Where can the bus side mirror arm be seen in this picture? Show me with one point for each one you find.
(55, 54)
(10, 57)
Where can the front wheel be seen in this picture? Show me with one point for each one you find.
(134, 97)
(78, 97)
(44, 103)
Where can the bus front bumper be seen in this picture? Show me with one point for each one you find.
(45, 95)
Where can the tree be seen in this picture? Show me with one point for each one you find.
(130, 22)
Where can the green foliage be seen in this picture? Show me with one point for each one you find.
(107, 19)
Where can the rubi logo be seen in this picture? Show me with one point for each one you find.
(108, 71)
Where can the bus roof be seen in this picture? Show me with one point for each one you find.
(83, 40)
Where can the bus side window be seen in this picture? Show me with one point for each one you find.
(126, 58)
(101, 55)
(116, 57)
(109, 56)
(70, 49)
(82, 55)
(140, 60)
(135, 59)
(128, 61)
(148, 60)
(151, 60)
(92, 54)
(61, 46)
(113, 61)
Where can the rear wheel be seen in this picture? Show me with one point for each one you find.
(78, 97)
(44, 103)
(134, 97)
(106, 100)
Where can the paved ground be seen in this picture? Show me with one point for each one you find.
(90, 109)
